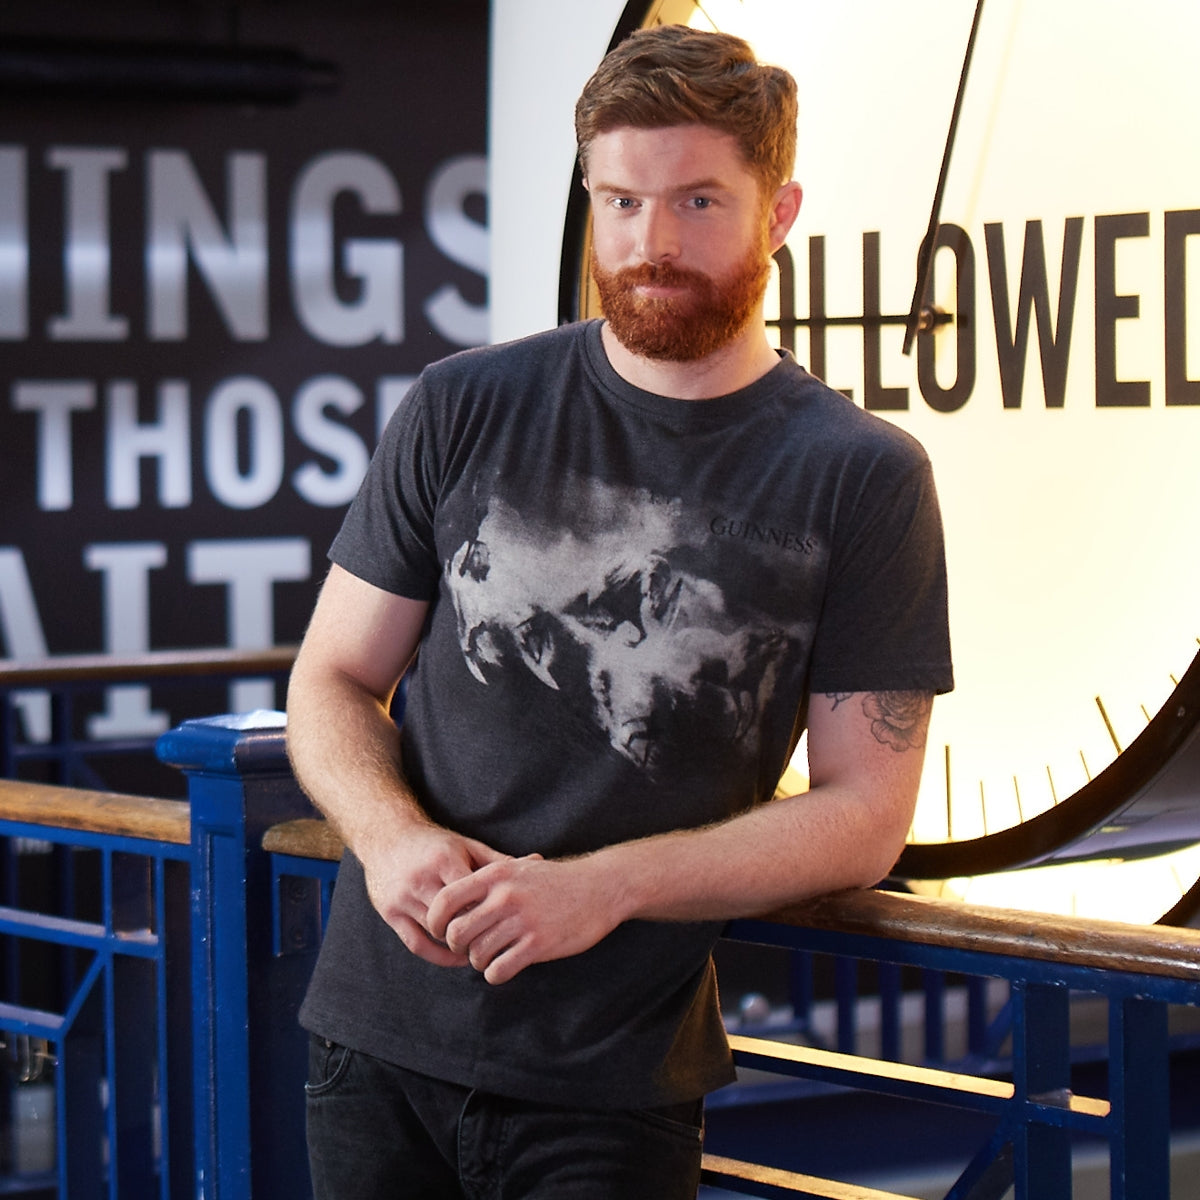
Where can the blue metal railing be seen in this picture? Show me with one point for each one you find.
(178, 1065)
(91, 1005)
(48, 707)
(249, 1059)
(1018, 1070)
(169, 1079)
(1036, 1114)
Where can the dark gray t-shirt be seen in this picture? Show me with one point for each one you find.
(632, 598)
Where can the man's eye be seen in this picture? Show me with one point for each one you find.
(622, 202)
(701, 202)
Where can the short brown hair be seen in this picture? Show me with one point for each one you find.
(675, 75)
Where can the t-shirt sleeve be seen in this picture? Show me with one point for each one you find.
(387, 536)
(884, 624)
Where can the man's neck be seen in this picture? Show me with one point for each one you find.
(735, 365)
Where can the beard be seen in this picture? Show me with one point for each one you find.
(687, 327)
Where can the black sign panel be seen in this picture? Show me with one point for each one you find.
(224, 255)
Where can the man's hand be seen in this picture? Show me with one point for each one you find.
(406, 874)
(518, 911)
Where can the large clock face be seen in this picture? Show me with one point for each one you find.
(1059, 393)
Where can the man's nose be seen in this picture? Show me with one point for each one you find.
(659, 234)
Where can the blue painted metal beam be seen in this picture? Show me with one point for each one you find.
(248, 1060)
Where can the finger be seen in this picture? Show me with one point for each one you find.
(425, 947)
(467, 928)
(489, 947)
(451, 870)
(508, 964)
(482, 854)
(474, 908)
(453, 901)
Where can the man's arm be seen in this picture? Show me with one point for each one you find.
(345, 751)
(866, 751)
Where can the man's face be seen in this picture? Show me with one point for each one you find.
(681, 251)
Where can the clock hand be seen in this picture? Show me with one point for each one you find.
(916, 317)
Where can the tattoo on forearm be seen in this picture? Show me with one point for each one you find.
(898, 719)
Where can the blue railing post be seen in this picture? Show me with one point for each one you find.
(248, 1052)
(1042, 1074)
(1139, 1090)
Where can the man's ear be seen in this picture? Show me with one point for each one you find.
(782, 214)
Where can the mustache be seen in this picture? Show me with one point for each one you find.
(660, 275)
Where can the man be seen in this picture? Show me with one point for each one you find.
(629, 563)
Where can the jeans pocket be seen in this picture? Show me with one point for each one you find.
(682, 1120)
(328, 1064)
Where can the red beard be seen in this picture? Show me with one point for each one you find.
(680, 328)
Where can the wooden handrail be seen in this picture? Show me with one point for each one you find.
(1076, 941)
(95, 812)
(308, 837)
(155, 664)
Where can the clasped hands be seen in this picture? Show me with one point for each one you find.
(456, 902)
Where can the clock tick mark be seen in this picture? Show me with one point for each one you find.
(949, 804)
(1112, 733)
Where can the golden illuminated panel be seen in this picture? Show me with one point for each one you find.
(1059, 397)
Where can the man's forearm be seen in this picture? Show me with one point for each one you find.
(777, 854)
(345, 751)
(523, 911)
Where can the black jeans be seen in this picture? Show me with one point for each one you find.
(379, 1132)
